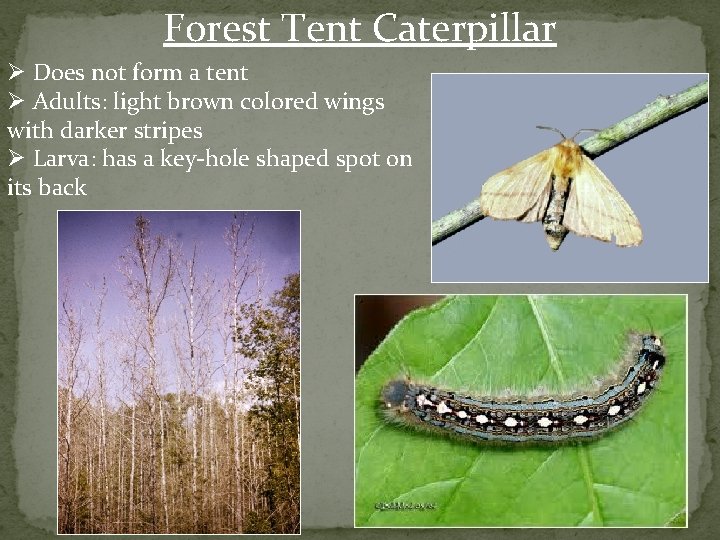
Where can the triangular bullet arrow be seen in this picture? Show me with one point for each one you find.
(15, 158)
(16, 71)
(16, 100)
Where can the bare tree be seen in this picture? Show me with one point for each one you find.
(99, 341)
(149, 268)
(71, 339)
(193, 352)
(73, 398)
(244, 270)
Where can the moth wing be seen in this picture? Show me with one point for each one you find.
(519, 192)
(595, 208)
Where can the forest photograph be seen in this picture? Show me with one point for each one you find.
(178, 374)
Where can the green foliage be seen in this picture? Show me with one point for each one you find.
(257, 523)
(270, 335)
(633, 476)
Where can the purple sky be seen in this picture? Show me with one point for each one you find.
(90, 244)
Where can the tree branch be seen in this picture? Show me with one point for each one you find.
(661, 110)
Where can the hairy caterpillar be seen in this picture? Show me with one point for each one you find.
(563, 188)
(519, 420)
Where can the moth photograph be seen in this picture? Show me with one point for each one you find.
(539, 189)
(511, 399)
(612, 183)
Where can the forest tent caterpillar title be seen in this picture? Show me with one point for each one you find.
(563, 188)
(553, 420)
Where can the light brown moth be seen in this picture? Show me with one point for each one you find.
(563, 188)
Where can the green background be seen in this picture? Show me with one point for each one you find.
(362, 233)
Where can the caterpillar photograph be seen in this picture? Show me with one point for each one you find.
(476, 407)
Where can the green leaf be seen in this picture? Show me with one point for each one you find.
(632, 476)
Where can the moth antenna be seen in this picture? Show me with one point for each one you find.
(552, 129)
(578, 132)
